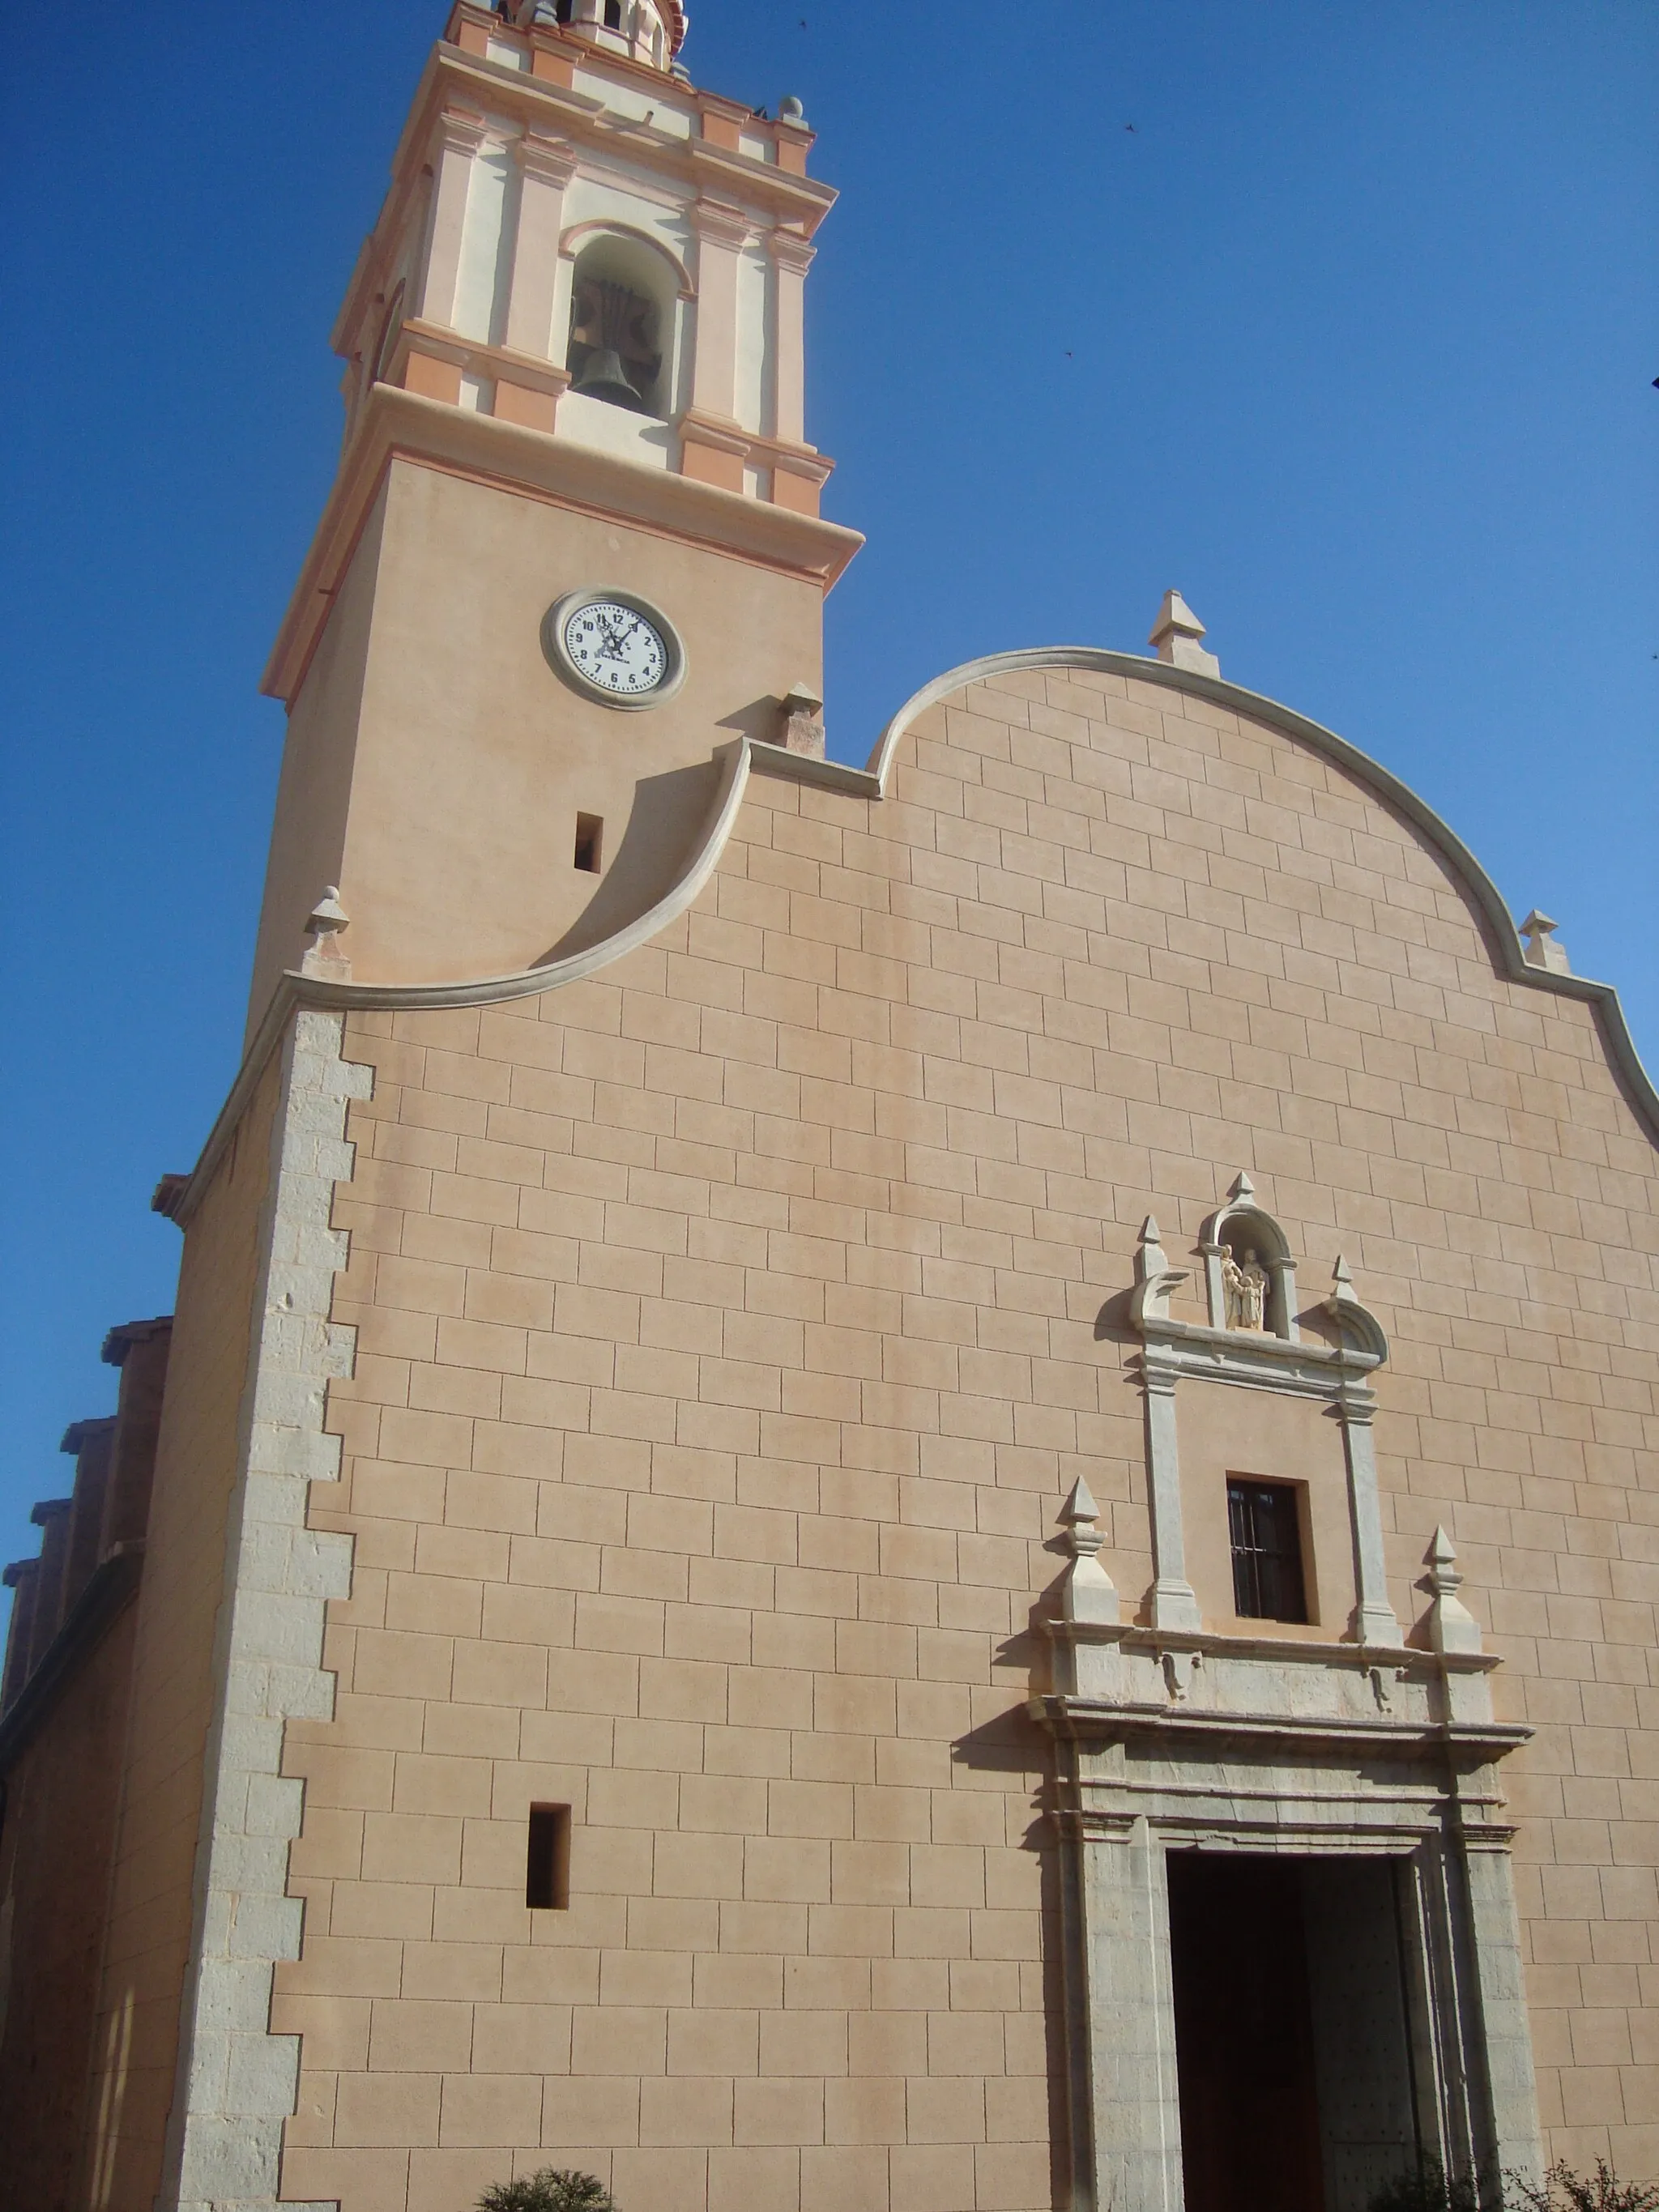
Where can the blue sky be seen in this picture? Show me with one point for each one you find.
(1350, 337)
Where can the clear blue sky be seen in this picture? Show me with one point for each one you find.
(1350, 337)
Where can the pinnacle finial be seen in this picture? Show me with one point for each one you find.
(323, 926)
(1087, 1592)
(1243, 1189)
(328, 917)
(1452, 1627)
(1177, 634)
(1080, 1506)
(1541, 948)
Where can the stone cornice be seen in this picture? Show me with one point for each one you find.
(1131, 1636)
(397, 424)
(1098, 1721)
(1182, 1351)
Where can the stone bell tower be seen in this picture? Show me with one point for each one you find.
(574, 350)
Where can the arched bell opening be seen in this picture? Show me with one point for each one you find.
(623, 311)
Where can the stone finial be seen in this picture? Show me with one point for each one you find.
(1354, 1319)
(1088, 1593)
(1243, 1189)
(1541, 948)
(1452, 1627)
(803, 721)
(1155, 1280)
(1175, 637)
(323, 925)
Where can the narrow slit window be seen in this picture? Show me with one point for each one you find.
(590, 841)
(613, 14)
(1264, 1524)
(547, 1872)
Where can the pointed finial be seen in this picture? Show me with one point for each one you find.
(1243, 1189)
(1541, 948)
(1155, 1279)
(802, 714)
(1080, 1506)
(323, 926)
(1452, 1627)
(1175, 636)
(1357, 1322)
(1088, 1593)
(328, 917)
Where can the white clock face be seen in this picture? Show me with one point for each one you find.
(619, 650)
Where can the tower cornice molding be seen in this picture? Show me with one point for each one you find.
(553, 160)
(398, 425)
(792, 252)
(720, 223)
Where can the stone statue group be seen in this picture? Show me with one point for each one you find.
(1246, 1284)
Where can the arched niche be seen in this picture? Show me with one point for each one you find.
(624, 299)
(1241, 1235)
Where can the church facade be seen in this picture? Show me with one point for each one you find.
(922, 1489)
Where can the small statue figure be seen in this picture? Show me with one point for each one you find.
(1246, 1292)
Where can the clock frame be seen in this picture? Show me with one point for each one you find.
(555, 624)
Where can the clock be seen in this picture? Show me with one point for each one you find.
(614, 646)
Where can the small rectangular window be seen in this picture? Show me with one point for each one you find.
(1264, 1521)
(547, 1869)
(613, 14)
(590, 840)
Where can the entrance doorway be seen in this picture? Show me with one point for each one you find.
(1292, 2033)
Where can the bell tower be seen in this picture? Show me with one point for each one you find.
(573, 548)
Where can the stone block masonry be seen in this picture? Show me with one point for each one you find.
(730, 1328)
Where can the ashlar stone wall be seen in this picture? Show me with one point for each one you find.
(729, 1337)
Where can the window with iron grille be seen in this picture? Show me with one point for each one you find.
(1264, 1521)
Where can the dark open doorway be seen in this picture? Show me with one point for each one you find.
(1293, 2036)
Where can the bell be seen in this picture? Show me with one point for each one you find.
(603, 379)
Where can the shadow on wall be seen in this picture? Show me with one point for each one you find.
(667, 817)
(1007, 1744)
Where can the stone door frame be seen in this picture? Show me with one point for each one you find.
(1139, 1772)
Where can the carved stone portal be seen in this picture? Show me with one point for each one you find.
(1366, 1768)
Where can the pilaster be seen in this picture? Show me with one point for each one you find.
(721, 232)
(1174, 1602)
(1374, 1620)
(459, 135)
(540, 272)
(791, 257)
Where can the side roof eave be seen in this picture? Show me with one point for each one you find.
(1436, 834)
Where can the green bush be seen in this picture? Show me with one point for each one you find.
(1430, 2189)
(1563, 2191)
(554, 2189)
